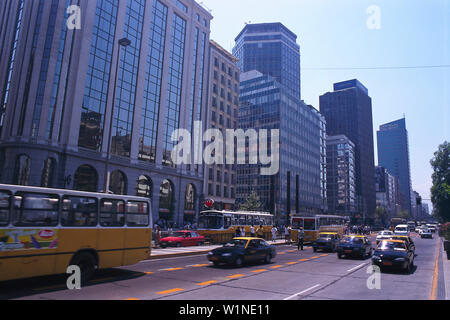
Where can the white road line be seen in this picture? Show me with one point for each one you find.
(302, 292)
(354, 268)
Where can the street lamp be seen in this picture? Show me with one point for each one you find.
(124, 42)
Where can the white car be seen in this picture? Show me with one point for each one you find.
(385, 234)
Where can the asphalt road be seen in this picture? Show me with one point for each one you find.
(292, 275)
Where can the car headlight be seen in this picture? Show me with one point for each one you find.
(399, 259)
(226, 255)
(210, 253)
(376, 257)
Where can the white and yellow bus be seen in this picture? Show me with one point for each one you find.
(220, 226)
(43, 231)
(315, 224)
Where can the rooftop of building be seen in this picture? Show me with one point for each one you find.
(223, 51)
(354, 83)
(397, 124)
(267, 28)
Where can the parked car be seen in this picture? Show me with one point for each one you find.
(327, 241)
(354, 245)
(385, 234)
(393, 254)
(242, 250)
(182, 238)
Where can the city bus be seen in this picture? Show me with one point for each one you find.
(395, 222)
(318, 223)
(44, 231)
(220, 226)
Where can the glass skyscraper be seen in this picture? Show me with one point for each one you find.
(393, 154)
(272, 49)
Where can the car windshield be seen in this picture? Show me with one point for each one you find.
(385, 233)
(178, 234)
(400, 229)
(325, 236)
(356, 240)
(391, 245)
(240, 243)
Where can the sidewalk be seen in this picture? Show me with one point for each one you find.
(158, 253)
(446, 269)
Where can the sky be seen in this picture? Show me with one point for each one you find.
(340, 39)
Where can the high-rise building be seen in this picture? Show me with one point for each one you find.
(73, 95)
(348, 111)
(393, 154)
(388, 193)
(341, 194)
(299, 185)
(223, 107)
(272, 49)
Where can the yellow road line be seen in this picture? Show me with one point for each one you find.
(293, 262)
(259, 270)
(324, 255)
(200, 265)
(206, 283)
(281, 252)
(434, 286)
(235, 276)
(274, 267)
(316, 257)
(173, 269)
(149, 272)
(302, 260)
(170, 291)
(132, 299)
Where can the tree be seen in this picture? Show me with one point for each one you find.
(253, 203)
(440, 190)
(403, 214)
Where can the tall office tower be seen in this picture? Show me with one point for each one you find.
(73, 94)
(393, 154)
(272, 49)
(341, 194)
(388, 195)
(222, 114)
(298, 187)
(348, 111)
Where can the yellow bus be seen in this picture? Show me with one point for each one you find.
(315, 224)
(43, 231)
(220, 226)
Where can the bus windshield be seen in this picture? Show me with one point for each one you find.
(210, 222)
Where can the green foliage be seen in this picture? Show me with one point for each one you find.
(253, 203)
(381, 215)
(403, 214)
(440, 191)
(444, 231)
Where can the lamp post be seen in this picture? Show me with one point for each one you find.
(124, 42)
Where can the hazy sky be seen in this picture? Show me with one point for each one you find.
(347, 34)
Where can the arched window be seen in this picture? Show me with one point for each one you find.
(189, 199)
(118, 183)
(22, 172)
(85, 179)
(48, 173)
(166, 200)
(144, 187)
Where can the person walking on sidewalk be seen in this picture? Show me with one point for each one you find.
(252, 231)
(287, 234)
(274, 233)
(300, 237)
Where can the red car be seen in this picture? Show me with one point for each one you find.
(183, 238)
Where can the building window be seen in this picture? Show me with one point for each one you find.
(118, 184)
(144, 187)
(22, 171)
(166, 193)
(85, 179)
(48, 173)
(189, 200)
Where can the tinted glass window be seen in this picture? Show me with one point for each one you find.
(35, 209)
(79, 211)
(112, 213)
(5, 197)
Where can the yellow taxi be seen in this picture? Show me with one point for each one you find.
(327, 241)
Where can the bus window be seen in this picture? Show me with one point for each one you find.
(210, 222)
(137, 214)
(226, 222)
(249, 221)
(309, 224)
(5, 197)
(242, 221)
(235, 220)
(112, 213)
(79, 211)
(35, 209)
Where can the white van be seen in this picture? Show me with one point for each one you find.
(402, 229)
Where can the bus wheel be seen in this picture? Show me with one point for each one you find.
(86, 262)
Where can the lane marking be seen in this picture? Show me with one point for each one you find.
(293, 262)
(324, 255)
(259, 270)
(277, 266)
(148, 272)
(170, 291)
(291, 250)
(207, 283)
(281, 252)
(132, 299)
(199, 265)
(234, 276)
(302, 260)
(302, 292)
(315, 257)
(434, 285)
(171, 269)
(357, 267)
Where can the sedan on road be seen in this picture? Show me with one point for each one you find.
(242, 250)
(426, 233)
(409, 242)
(393, 254)
(327, 241)
(183, 238)
(385, 234)
(354, 245)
